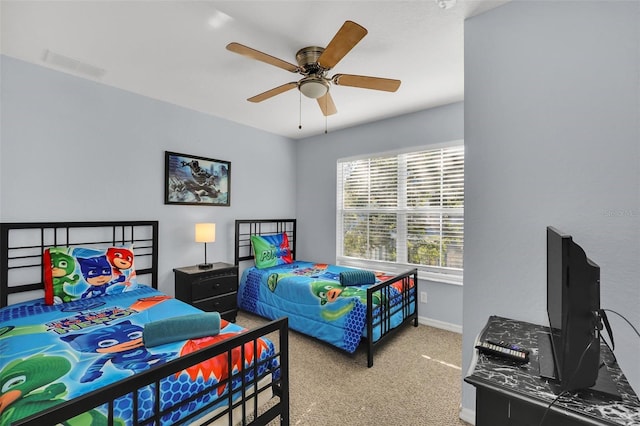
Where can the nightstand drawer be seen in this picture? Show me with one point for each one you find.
(213, 286)
(218, 304)
(211, 289)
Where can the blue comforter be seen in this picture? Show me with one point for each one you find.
(66, 350)
(311, 295)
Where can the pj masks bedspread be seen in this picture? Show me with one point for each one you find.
(50, 354)
(311, 295)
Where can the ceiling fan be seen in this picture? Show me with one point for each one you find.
(314, 63)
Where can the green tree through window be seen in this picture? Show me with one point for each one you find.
(403, 208)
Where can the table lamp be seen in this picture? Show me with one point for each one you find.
(205, 233)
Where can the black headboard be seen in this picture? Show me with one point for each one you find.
(22, 245)
(246, 228)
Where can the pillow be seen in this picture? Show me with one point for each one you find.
(357, 277)
(271, 250)
(184, 327)
(79, 272)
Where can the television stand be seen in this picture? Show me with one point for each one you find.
(511, 393)
(547, 369)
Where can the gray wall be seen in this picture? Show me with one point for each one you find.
(64, 137)
(316, 187)
(552, 137)
(73, 149)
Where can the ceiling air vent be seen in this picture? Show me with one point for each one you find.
(65, 62)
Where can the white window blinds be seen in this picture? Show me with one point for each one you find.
(400, 210)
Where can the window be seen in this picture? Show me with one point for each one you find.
(401, 210)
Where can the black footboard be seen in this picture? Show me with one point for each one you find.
(246, 406)
(398, 301)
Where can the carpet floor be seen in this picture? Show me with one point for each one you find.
(415, 380)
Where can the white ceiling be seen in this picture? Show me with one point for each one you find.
(168, 50)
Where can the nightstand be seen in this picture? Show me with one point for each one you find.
(213, 289)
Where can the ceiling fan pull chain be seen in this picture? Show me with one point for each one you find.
(326, 102)
(300, 111)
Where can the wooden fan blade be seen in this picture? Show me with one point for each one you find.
(345, 39)
(260, 56)
(271, 93)
(375, 83)
(326, 104)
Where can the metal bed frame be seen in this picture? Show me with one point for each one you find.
(378, 317)
(21, 248)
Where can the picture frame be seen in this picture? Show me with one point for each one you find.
(194, 180)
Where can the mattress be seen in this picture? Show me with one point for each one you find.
(54, 353)
(311, 295)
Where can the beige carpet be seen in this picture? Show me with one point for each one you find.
(415, 380)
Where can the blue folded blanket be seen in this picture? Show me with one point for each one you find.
(181, 328)
(357, 277)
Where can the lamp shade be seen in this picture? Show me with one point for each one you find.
(205, 232)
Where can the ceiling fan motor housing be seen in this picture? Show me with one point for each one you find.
(307, 59)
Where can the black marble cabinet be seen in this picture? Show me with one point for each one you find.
(509, 393)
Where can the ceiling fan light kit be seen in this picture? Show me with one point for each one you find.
(313, 64)
(313, 87)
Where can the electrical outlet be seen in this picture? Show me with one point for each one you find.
(423, 297)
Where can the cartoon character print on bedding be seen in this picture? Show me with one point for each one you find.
(203, 377)
(271, 250)
(80, 272)
(40, 381)
(327, 290)
(218, 367)
(62, 272)
(97, 274)
(29, 385)
(121, 344)
(121, 259)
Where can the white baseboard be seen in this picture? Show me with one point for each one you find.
(440, 324)
(468, 415)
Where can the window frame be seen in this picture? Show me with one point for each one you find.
(431, 273)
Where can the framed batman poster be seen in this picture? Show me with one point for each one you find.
(196, 180)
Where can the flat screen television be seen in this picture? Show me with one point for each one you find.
(573, 308)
